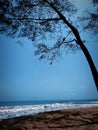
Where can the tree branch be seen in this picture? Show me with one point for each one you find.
(62, 43)
(35, 19)
(31, 5)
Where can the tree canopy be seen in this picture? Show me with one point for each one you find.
(38, 21)
(51, 25)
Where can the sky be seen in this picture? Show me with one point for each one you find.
(24, 77)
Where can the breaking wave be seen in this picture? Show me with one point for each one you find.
(22, 110)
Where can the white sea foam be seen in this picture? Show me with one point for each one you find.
(16, 111)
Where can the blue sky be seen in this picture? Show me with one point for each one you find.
(24, 77)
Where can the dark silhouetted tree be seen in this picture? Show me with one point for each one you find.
(51, 21)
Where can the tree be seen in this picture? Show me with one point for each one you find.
(39, 20)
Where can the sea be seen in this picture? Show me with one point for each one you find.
(13, 109)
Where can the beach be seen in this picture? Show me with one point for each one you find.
(67, 119)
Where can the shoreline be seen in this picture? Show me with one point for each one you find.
(66, 119)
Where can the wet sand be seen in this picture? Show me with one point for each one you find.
(67, 119)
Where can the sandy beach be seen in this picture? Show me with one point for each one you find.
(67, 119)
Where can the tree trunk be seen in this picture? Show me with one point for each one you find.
(86, 53)
(90, 62)
(79, 42)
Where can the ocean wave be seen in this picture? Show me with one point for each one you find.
(16, 111)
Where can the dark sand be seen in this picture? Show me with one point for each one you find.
(68, 119)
